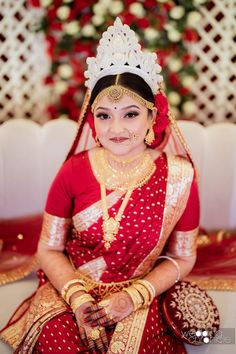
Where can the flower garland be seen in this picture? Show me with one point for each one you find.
(73, 28)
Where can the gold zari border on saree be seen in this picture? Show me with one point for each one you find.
(180, 176)
(46, 304)
(128, 333)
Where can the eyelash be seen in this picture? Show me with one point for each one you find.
(129, 115)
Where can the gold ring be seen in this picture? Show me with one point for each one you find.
(94, 334)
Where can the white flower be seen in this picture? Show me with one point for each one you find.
(174, 98)
(177, 12)
(60, 87)
(88, 30)
(193, 18)
(175, 64)
(65, 71)
(189, 108)
(199, 2)
(188, 81)
(116, 7)
(162, 1)
(63, 116)
(71, 28)
(137, 10)
(45, 3)
(98, 20)
(151, 34)
(63, 12)
(99, 9)
(174, 35)
(106, 3)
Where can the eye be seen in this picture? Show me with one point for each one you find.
(102, 116)
(131, 114)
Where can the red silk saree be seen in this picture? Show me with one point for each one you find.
(161, 218)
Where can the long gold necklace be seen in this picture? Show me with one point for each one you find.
(121, 181)
(111, 225)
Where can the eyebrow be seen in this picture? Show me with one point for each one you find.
(122, 109)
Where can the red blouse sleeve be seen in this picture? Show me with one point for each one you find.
(60, 197)
(190, 218)
(182, 241)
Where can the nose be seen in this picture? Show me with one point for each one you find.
(116, 126)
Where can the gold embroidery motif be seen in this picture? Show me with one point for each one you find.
(100, 289)
(54, 231)
(183, 243)
(128, 333)
(180, 176)
(194, 307)
(86, 218)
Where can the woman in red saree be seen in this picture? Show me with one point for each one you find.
(112, 213)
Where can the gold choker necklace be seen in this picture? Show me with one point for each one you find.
(122, 180)
(122, 161)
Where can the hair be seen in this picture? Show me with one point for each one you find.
(131, 81)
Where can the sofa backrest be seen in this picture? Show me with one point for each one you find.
(30, 156)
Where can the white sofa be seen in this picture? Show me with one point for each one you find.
(31, 154)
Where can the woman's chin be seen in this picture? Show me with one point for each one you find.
(121, 149)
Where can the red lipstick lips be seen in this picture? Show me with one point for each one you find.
(118, 140)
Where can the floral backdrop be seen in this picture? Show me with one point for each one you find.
(73, 27)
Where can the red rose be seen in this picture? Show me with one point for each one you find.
(142, 23)
(187, 58)
(161, 103)
(52, 112)
(174, 79)
(127, 18)
(190, 35)
(183, 91)
(34, 3)
(150, 3)
(168, 6)
(48, 80)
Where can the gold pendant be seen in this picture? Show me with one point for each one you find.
(110, 229)
(111, 226)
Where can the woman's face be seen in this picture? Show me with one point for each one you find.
(121, 127)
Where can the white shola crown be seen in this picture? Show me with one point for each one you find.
(118, 52)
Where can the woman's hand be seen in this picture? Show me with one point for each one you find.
(93, 337)
(110, 311)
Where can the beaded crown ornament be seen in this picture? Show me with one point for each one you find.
(118, 52)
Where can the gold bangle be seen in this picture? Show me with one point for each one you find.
(135, 296)
(73, 290)
(82, 299)
(68, 284)
(144, 292)
(149, 286)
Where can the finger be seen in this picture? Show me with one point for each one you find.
(104, 339)
(93, 316)
(99, 345)
(83, 336)
(92, 308)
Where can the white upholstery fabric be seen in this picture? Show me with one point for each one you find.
(31, 154)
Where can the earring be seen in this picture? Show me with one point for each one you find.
(150, 137)
(97, 141)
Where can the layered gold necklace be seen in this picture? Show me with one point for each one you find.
(123, 181)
